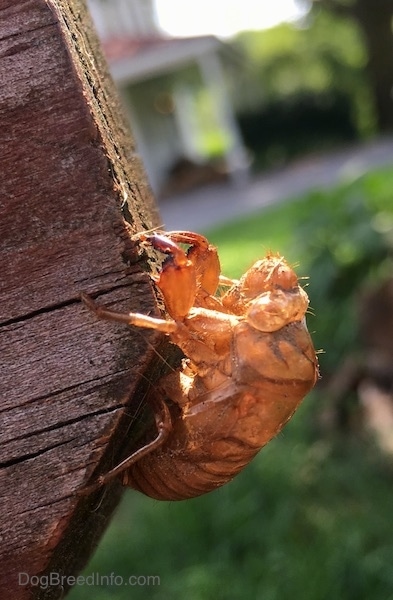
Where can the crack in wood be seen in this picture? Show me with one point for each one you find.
(32, 455)
(72, 387)
(60, 425)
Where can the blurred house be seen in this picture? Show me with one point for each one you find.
(175, 93)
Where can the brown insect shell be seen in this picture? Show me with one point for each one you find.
(222, 428)
(239, 386)
(265, 275)
(177, 305)
(272, 310)
(228, 410)
(207, 267)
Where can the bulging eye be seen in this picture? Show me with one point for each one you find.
(267, 313)
(273, 310)
(272, 272)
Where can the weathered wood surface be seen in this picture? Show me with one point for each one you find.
(69, 173)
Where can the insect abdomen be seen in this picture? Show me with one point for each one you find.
(216, 437)
(190, 465)
(167, 477)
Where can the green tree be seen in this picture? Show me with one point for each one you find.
(324, 55)
(374, 20)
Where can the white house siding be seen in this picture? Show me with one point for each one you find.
(156, 134)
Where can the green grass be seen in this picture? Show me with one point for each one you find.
(298, 229)
(243, 241)
(310, 518)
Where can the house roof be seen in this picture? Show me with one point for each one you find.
(134, 60)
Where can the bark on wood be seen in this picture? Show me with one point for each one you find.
(69, 173)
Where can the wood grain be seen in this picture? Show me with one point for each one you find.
(69, 177)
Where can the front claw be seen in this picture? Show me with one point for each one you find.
(204, 256)
(177, 280)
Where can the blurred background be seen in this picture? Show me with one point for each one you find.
(268, 126)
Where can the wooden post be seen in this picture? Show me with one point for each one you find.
(68, 175)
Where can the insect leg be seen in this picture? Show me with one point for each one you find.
(164, 427)
(177, 280)
(204, 257)
(137, 319)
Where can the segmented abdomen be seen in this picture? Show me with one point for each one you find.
(217, 436)
(178, 475)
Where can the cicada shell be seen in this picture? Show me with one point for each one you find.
(249, 362)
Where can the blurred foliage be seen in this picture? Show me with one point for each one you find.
(294, 125)
(322, 58)
(310, 518)
(320, 53)
(350, 240)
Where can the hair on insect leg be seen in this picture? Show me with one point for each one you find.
(160, 356)
(164, 426)
(97, 507)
